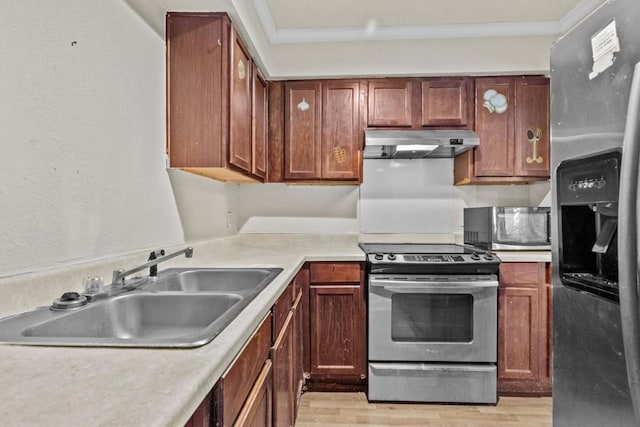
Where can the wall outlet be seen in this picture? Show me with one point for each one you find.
(230, 224)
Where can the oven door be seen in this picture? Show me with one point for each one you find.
(433, 318)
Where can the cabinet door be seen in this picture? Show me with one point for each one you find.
(390, 103)
(495, 109)
(284, 390)
(240, 105)
(302, 139)
(341, 133)
(518, 355)
(298, 351)
(532, 127)
(259, 121)
(338, 345)
(233, 388)
(196, 90)
(256, 411)
(444, 102)
(524, 351)
(202, 415)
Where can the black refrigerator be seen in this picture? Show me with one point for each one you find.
(595, 147)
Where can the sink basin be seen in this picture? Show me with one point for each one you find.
(140, 317)
(182, 308)
(240, 280)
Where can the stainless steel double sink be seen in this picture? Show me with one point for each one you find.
(179, 308)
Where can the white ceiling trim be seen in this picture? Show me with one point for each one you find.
(412, 32)
(338, 34)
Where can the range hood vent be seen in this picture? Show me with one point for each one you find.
(417, 144)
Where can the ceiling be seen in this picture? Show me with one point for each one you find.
(294, 21)
(331, 38)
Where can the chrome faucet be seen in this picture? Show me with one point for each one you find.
(153, 261)
(118, 284)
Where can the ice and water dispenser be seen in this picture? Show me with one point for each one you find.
(587, 191)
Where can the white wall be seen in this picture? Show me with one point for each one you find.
(418, 196)
(208, 208)
(82, 134)
(280, 208)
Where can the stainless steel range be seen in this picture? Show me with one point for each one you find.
(432, 323)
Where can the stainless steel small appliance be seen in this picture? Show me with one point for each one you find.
(417, 143)
(432, 320)
(508, 228)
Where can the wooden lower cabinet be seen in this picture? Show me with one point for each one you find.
(231, 392)
(314, 337)
(337, 323)
(202, 415)
(257, 410)
(524, 327)
(284, 389)
(287, 352)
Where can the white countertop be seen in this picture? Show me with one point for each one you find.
(53, 386)
(524, 256)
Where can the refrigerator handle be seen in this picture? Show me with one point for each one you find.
(628, 241)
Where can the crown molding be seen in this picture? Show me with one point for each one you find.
(341, 34)
(578, 13)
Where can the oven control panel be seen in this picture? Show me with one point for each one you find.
(474, 258)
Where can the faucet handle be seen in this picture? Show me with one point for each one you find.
(93, 285)
(118, 279)
(155, 254)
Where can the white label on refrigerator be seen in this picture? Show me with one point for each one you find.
(604, 44)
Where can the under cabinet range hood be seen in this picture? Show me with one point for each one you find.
(417, 144)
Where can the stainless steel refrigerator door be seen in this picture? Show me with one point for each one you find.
(628, 242)
(588, 115)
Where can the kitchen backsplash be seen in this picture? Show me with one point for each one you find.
(417, 196)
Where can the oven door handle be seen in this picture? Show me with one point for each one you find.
(420, 287)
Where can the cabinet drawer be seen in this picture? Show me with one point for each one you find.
(234, 386)
(521, 273)
(335, 272)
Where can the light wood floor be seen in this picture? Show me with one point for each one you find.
(352, 409)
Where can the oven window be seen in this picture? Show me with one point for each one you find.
(432, 317)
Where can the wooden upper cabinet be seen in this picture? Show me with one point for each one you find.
(439, 102)
(259, 114)
(512, 120)
(444, 102)
(390, 103)
(209, 98)
(341, 130)
(322, 130)
(532, 138)
(302, 137)
(241, 76)
(494, 156)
